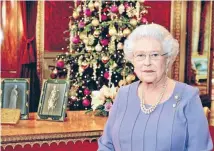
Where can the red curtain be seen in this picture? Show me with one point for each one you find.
(27, 51)
(28, 46)
(189, 78)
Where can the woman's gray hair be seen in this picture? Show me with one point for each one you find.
(169, 44)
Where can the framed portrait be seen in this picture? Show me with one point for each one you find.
(53, 100)
(15, 95)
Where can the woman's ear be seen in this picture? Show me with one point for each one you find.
(167, 62)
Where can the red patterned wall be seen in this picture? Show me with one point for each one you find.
(56, 20)
(159, 12)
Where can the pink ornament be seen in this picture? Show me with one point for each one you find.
(53, 75)
(76, 39)
(144, 20)
(81, 24)
(106, 75)
(73, 98)
(126, 5)
(60, 63)
(105, 9)
(86, 102)
(104, 42)
(104, 17)
(114, 9)
(88, 12)
(87, 91)
(108, 106)
(78, 2)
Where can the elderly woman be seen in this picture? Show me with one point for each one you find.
(156, 113)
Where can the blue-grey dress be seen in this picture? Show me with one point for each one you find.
(178, 124)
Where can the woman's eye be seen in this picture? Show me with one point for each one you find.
(155, 55)
(141, 55)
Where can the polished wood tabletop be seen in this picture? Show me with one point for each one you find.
(76, 121)
(77, 125)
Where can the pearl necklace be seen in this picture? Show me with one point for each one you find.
(153, 107)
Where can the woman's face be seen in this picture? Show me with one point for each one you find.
(149, 60)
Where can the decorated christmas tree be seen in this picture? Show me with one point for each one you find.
(97, 30)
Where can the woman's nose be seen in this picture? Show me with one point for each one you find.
(147, 61)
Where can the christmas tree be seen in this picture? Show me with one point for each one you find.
(97, 30)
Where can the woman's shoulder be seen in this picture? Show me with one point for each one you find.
(187, 88)
(188, 92)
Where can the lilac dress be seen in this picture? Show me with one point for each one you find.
(175, 125)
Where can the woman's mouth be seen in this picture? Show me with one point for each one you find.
(148, 71)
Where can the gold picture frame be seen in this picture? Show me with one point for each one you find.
(53, 100)
(15, 95)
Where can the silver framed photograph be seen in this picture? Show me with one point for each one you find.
(15, 95)
(53, 100)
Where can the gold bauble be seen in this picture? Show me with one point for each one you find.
(111, 45)
(129, 79)
(133, 22)
(91, 6)
(95, 22)
(206, 111)
(83, 35)
(120, 46)
(75, 15)
(88, 48)
(123, 73)
(132, 76)
(121, 8)
(120, 34)
(73, 27)
(122, 82)
(126, 32)
(112, 31)
(96, 4)
(79, 9)
(114, 65)
(96, 33)
(90, 39)
(85, 41)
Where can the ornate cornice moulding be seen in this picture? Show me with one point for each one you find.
(49, 138)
